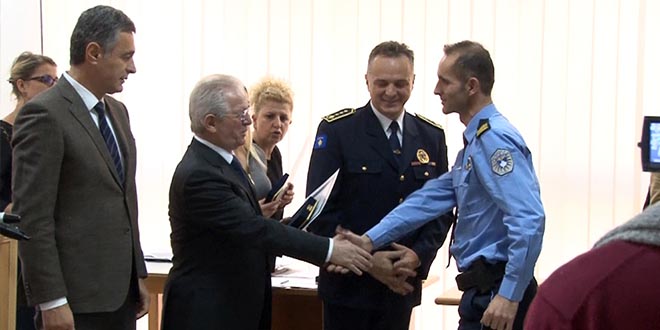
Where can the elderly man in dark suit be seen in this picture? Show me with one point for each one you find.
(220, 278)
(74, 186)
(384, 154)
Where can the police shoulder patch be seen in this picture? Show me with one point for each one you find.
(501, 162)
(343, 113)
(484, 126)
(321, 141)
(428, 121)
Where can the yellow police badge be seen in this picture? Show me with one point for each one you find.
(422, 156)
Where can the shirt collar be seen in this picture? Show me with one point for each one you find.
(473, 125)
(88, 98)
(384, 121)
(226, 155)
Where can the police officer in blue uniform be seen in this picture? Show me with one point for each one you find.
(383, 154)
(500, 225)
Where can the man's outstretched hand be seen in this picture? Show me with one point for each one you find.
(347, 256)
(386, 271)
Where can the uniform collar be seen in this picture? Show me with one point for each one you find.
(473, 125)
(384, 121)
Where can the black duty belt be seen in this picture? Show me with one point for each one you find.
(481, 275)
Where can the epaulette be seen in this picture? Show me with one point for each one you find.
(484, 126)
(343, 113)
(428, 121)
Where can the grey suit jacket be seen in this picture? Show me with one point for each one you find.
(83, 221)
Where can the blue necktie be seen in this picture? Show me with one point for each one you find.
(236, 165)
(394, 141)
(109, 139)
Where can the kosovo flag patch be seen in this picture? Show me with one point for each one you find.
(321, 141)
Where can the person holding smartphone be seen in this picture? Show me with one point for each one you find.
(271, 100)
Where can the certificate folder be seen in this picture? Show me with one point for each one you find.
(313, 204)
(304, 214)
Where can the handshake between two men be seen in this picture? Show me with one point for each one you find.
(352, 252)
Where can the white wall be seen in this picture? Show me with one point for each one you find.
(576, 77)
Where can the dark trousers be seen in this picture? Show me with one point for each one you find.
(473, 305)
(121, 319)
(25, 318)
(336, 317)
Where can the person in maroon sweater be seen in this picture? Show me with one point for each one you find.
(613, 286)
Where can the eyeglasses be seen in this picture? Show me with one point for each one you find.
(45, 79)
(243, 116)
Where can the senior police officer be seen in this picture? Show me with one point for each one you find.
(499, 231)
(384, 154)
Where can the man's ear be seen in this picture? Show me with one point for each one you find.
(210, 122)
(93, 52)
(473, 86)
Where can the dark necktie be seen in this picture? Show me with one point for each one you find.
(236, 165)
(394, 141)
(109, 139)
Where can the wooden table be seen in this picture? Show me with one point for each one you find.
(451, 297)
(287, 301)
(8, 272)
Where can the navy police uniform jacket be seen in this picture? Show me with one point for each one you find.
(370, 185)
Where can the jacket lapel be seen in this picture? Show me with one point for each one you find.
(215, 160)
(410, 143)
(82, 115)
(376, 135)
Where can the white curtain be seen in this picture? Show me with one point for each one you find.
(576, 77)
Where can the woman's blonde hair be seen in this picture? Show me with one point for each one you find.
(270, 89)
(24, 67)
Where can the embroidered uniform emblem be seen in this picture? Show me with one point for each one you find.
(321, 141)
(422, 156)
(343, 113)
(501, 162)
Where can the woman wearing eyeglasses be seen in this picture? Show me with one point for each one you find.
(30, 75)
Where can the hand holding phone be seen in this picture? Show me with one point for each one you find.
(277, 188)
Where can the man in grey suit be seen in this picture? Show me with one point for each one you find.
(74, 186)
(221, 243)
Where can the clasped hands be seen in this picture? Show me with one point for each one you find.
(391, 268)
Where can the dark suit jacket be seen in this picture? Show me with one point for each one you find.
(369, 186)
(83, 221)
(220, 277)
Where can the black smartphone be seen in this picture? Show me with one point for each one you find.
(277, 187)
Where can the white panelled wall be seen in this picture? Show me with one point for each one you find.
(576, 77)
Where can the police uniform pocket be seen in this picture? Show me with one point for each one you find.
(424, 172)
(461, 184)
(364, 166)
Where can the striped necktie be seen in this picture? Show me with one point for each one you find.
(109, 139)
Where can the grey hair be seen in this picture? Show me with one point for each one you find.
(209, 97)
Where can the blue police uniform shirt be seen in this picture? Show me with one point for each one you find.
(500, 214)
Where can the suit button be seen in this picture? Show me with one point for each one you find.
(364, 168)
(426, 173)
(400, 200)
(402, 177)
